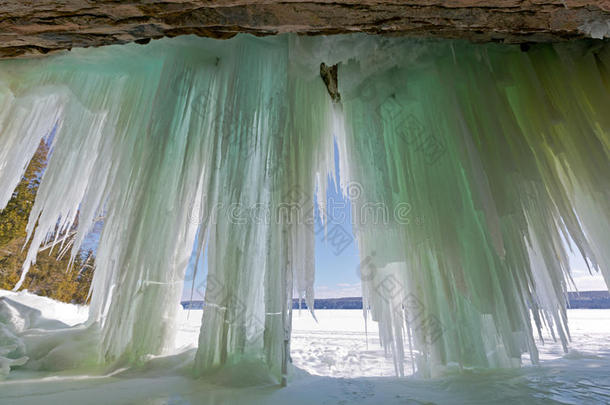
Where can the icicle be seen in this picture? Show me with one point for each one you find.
(468, 166)
(476, 153)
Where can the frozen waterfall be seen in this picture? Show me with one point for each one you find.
(504, 155)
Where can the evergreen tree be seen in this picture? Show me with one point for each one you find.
(53, 275)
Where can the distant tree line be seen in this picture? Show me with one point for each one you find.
(53, 275)
(589, 300)
(584, 299)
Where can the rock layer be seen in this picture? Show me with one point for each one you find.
(43, 26)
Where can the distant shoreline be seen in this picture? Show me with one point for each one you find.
(577, 300)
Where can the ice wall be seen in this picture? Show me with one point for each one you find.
(468, 167)
(499, 156)
(162, 142)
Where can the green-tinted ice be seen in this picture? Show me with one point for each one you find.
(470, 169)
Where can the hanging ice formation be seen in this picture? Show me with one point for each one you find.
(487, 159)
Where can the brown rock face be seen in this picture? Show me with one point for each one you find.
(43, 26)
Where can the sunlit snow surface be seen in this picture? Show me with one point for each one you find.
(335, 347)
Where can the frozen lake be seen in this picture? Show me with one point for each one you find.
(336, 363)
(341, 345)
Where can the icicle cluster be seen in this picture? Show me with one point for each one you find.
(163, 142)
(469, 167)
(499, 159)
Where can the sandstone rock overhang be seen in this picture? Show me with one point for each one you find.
(43, 26)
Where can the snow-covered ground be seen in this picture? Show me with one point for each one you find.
(339, 344)
(336, 363)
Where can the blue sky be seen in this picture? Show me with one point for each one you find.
(336, 268)
(336, 272)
